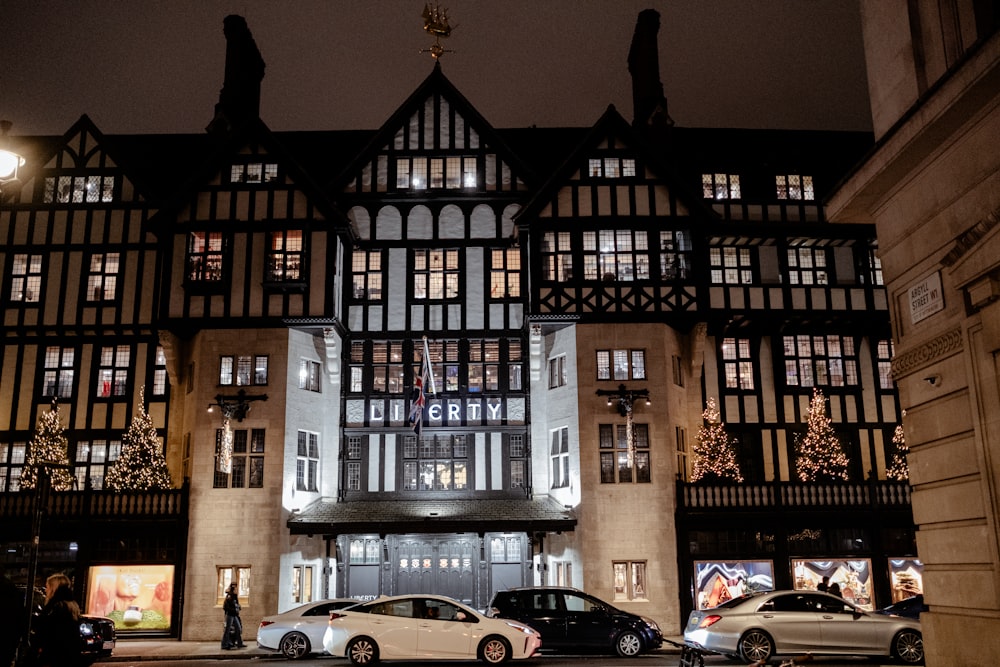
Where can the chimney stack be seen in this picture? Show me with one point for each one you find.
(239, 99)
(649, 105)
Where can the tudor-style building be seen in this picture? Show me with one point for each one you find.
(581, 293)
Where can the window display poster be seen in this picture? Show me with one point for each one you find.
(853, 577)
(719, 581)
(135, 597)
(906, 576)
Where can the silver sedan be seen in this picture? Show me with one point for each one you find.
(756, 627)
(298, 632)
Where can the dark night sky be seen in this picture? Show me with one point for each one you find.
(157, 66)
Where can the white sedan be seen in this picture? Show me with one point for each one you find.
(425, 627)
(299, 632)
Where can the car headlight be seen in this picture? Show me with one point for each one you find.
(522, 628)
(651, 623)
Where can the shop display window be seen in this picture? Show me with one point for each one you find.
(137, 598)
(853, 576)
(719, 581)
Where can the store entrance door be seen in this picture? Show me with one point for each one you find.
(442, 565)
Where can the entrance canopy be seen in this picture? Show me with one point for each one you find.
(326, 516)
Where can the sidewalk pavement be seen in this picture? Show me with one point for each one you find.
(137, 650)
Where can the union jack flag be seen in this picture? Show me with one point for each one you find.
(419, 398)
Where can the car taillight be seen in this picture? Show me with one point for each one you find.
(263, 623)
(709, 620)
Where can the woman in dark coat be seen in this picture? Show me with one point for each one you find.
(233, 635)
(57, 632)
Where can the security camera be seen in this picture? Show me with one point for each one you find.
(932, 380)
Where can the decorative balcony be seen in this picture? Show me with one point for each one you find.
(793, 496)
(90, 505)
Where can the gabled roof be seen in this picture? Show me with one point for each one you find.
(612, 125)
(436, 84)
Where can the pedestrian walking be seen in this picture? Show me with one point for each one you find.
(232, 637)
(57, 629)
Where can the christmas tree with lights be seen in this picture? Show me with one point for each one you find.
(714, 454)
(898, 469)
(819, 454)
(48, 449)
(141, 465)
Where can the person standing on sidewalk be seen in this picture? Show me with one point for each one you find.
(233, 635)
(57, 634)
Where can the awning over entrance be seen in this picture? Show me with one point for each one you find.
(326, 516)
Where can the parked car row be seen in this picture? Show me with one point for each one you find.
(522, 622)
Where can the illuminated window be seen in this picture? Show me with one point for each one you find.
(285, 256)
(58, 378)
(884, 351)
(247, 460)
(307, 461)
(102, 279)
(558, 372)
(243, 370)
(518, 461)
(366, 272)
(514, 365)
(387, 367)
(616, 254)
(12, 456)
(26, 278)
(505, 274)
(621, 364)
(254, 172)
(807, 266)
(730, 266)
(228, 574)
(794, 186)
(557, 260)
(815, 361)
(93, 458)
(309, 375)
(91, 189)
(559, 457)
(875, 266)
(737, 363)
(484, 365)
(160, 372)
(302, 583)
(204, 257)
(611, 167)
(435, 274)
(630, 580)
(454, 172)
(435, 463)
(619, 463)
(112, 372)
(675, 255)
(720, 186)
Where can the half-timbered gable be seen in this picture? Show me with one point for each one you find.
(79, 302)
(611, 232)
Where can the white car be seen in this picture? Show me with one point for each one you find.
(299, 632)
(425, 627)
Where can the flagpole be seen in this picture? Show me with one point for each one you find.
(430, 369)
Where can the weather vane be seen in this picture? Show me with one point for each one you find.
(436, 23)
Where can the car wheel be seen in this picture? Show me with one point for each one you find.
(362, 651)
(494, 650)
(908, 647)
(294, 646)
(756, 646)
(628, 644)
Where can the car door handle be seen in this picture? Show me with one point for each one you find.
(768, 615)
(827, 617)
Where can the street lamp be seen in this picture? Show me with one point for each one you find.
(10, 161)
(626, 399)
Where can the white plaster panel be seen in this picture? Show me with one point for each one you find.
(397, 289)
(482, 223)
(454, 317)
(507, 222)
(389, 479)
(374, 318)
(496, 461)
(435, 317)
(497, 319)
(388, 224)
(480, 461)
(451, 223)
(417, 317)
(420, 223)
(373, 462)
(475, 302)
(516, 311)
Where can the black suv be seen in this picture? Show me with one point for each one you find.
(569, 619)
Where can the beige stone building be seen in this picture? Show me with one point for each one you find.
(932, 187)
